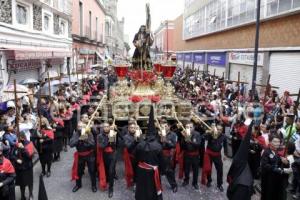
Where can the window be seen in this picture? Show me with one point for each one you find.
(22, 13)
(62, 28)
(284, 5)
(272, 6)
(46, 22)
(61, 5)
(96, 36)
(90, 24)
(81, 18)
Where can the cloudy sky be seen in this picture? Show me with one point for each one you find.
(135, 15)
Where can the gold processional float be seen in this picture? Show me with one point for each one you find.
(148, 86)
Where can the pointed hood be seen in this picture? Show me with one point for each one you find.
(151, 132)
(42, 190)
(239, 173)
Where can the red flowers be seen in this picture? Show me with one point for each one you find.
(142, 76)
(136, 99)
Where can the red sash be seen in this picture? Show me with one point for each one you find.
(191, 153)
(101, 169)
(206, 170)
(181, 164)
(167, 152)
(48, 133)
(6, 167)
(74, 174)
(30, 149)
(156, 176)
(129, 173)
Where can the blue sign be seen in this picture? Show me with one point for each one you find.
(199, 58)
(216, 59)
(188, 57)
(179, 56)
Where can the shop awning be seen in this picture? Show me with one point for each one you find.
(24, 54)
(100, 56)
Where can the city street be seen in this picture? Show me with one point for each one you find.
(59, 186)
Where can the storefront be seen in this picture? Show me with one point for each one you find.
(243, 62)
(216, 63)
(188, 60)
(179, 59)
(199, 61)
(24, 64)
(285, 71)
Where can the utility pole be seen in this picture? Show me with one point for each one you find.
(256, 49)
(167, 40)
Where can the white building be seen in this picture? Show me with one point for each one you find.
(35, 37)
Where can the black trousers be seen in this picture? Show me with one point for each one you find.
(169, 171)
(191, 162)
(90, 162)
(46, 159)
(110, 168)
(217, 161)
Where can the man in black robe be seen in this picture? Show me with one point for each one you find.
(191, 146)
(274, 180)
(130, 143)
(239, 177)
(22, 160)
(108, 159)
(169, 143)
(150, 161)
(142, 41)
(85, 155)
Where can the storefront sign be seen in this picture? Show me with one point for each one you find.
(30, 55)
(246, 58)
(199, 58)
(56, 61)
(216, 59)
(23, 65)
(179, 56)
(86, 51)
(188, 57)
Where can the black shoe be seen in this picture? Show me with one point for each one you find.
(221, 188)
(23, 198)
(116, 177)
(43, 173)
(175, 189)
(94, 189)
(208, 184)
(292, 191)
(110, 193)
(48, 174)
(66, 149)
(196, 186)
(76, 188)
(185, 183)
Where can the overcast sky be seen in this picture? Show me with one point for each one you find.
(135, 14)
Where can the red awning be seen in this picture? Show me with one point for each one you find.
(15, 54)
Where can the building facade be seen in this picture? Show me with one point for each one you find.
(35, 37)
(88, 34)
(114, 31)
(218, 36)
(163, 41)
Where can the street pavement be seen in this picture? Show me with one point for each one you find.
(59, 185)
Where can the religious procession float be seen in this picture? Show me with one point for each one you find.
(143, 84)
